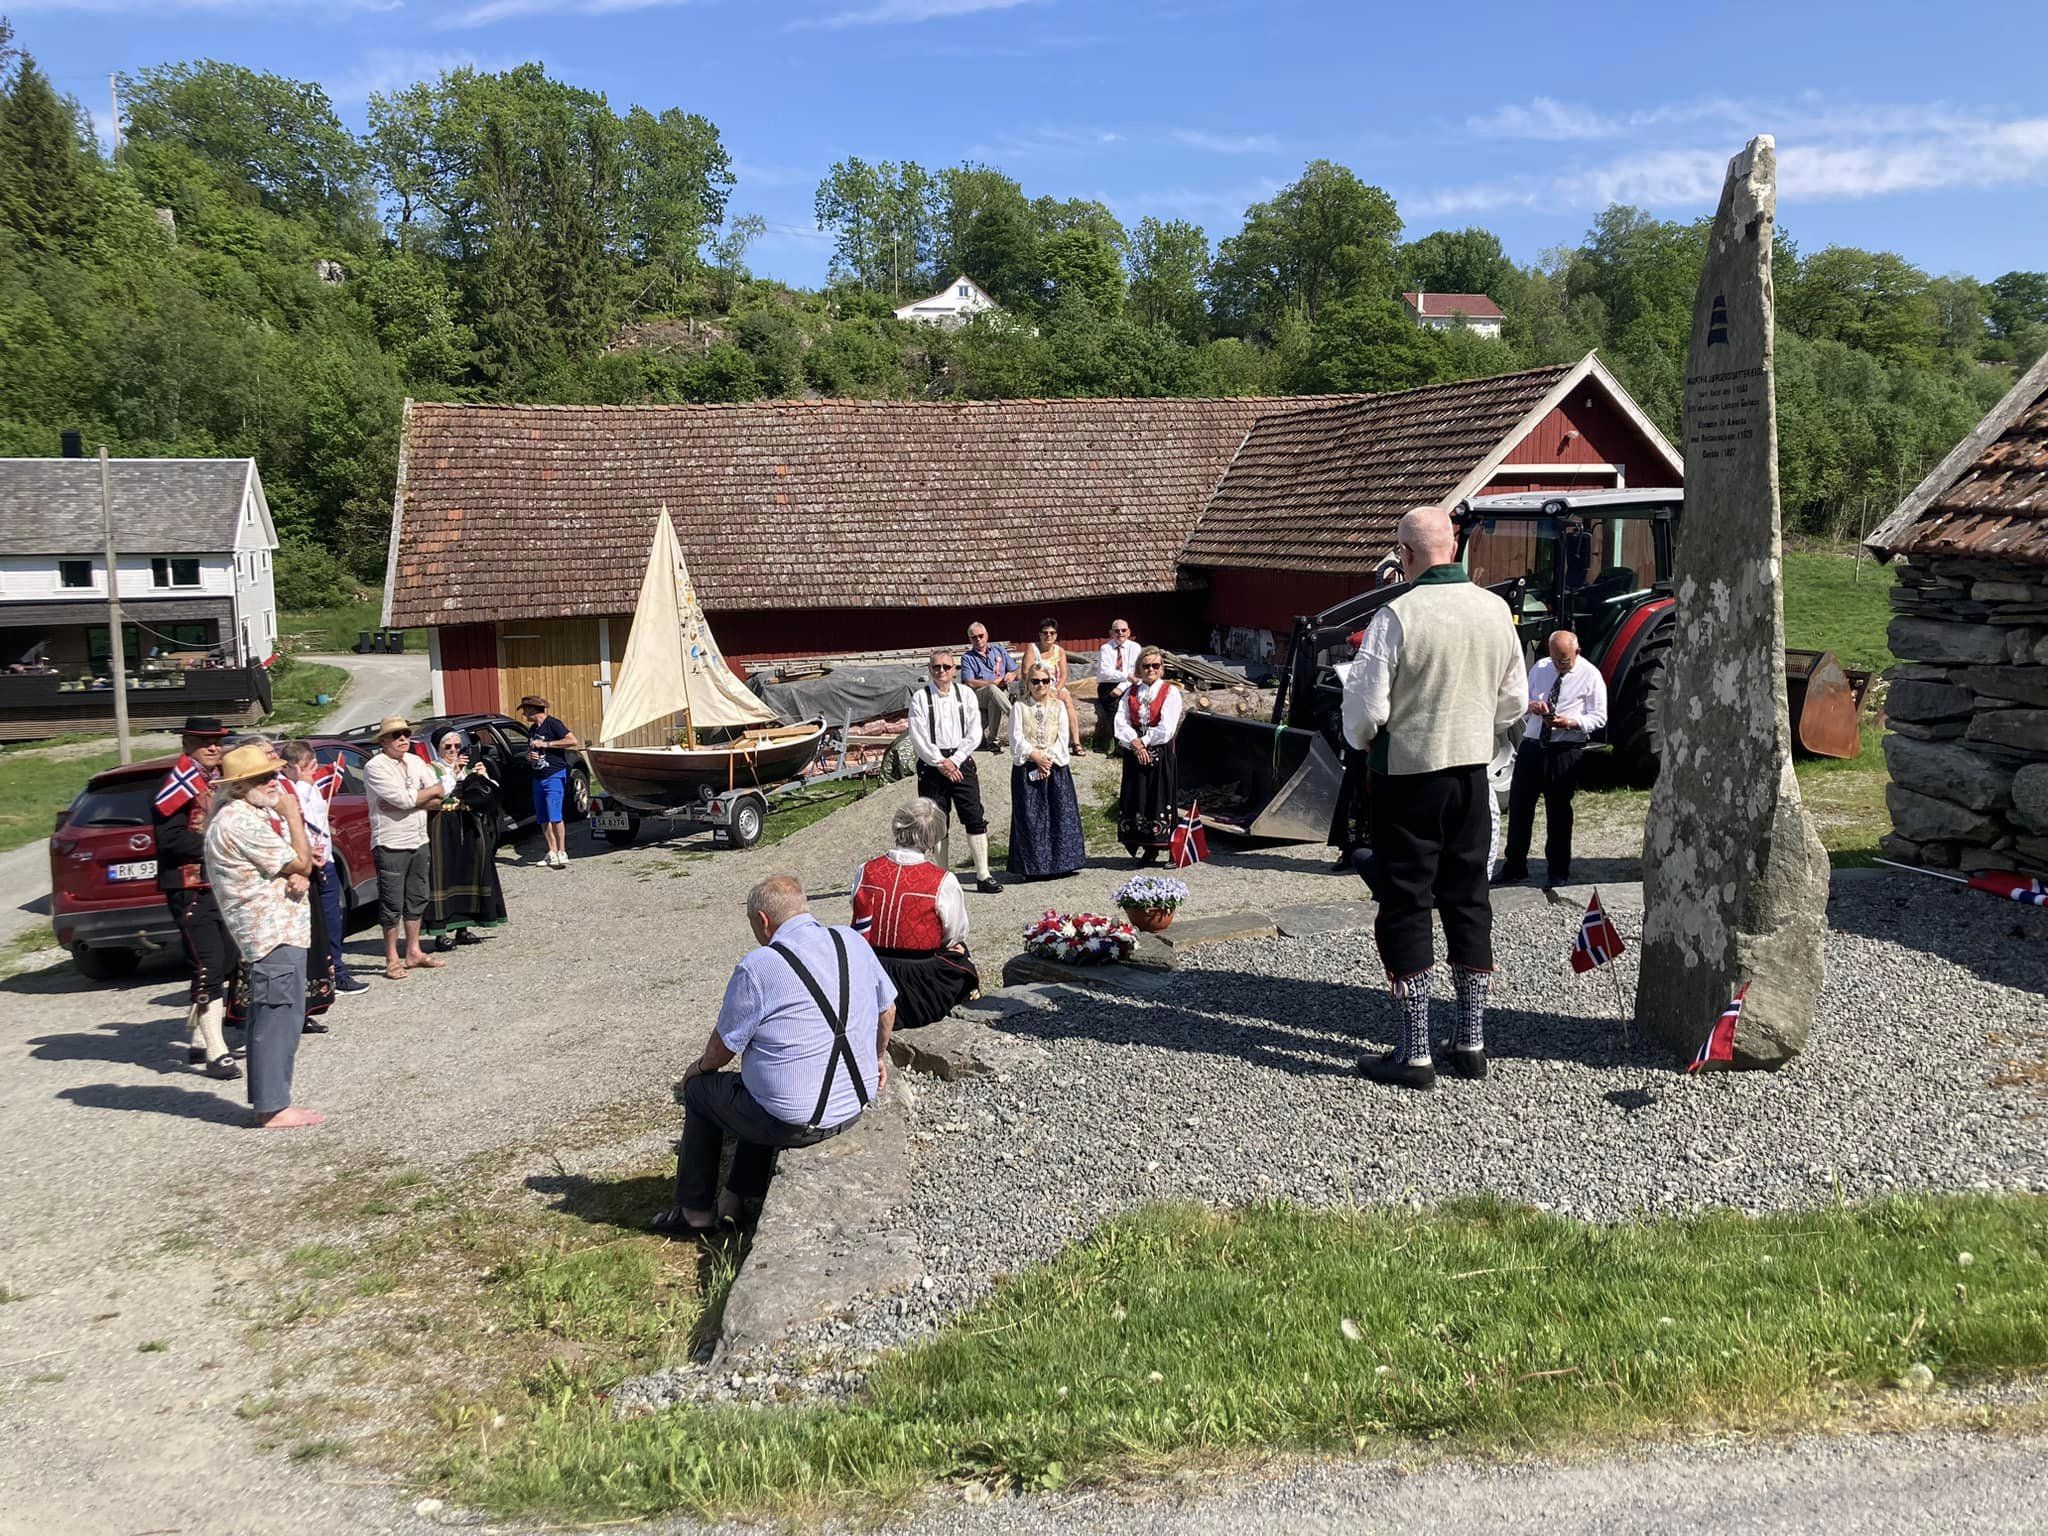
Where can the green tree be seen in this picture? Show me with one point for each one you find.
(1325, 238)
(987, 230)
(1871, 300)
(1459, 261)
(44, 161)
(729, 256)
(882, 219)
(1369, 344)
(1169, 270)
(676, 177)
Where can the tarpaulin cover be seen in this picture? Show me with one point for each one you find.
(848, 692)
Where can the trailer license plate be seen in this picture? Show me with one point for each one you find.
(144, 869)
(610, 821)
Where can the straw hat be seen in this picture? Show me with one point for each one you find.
(250, 762)
(392, 725)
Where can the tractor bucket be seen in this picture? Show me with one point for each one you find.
(1824, 699)
(1257, 779)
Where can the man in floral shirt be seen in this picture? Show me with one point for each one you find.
(259, 865)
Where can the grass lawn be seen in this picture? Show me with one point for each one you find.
(1175, 1334)
(1834, 603)
(34, 789)
(330, 631)
(292, 692)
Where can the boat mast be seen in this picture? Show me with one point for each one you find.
(682, 620)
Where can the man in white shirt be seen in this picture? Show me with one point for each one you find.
(1116, 668)
(1567, 703)
(945, 729)
(400, 788)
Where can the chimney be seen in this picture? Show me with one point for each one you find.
(73, 441)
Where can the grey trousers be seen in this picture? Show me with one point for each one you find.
(277, 1012)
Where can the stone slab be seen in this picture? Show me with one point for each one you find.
(1926, 640)
(2030, 797)
(830, 1231)
(1309, 919)
(2024, 729)
(1947, 771)
(1024, 970)
(953, 1048)
(1194, 932)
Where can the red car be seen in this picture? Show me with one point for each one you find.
(104, 903)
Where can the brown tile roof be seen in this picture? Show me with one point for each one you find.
(1989, 497)
(1436, 306)
(513, 512)
(1320, 490)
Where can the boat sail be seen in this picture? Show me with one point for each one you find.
(672, 666)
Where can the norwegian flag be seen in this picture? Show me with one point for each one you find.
(180, 787)
(327, 779)
(1719, 1045)
(1189, 844)
(2011, 887)
(1598, 940)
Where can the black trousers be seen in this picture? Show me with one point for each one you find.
(962, 799)
(207, 944)
(1429, 839)
(717, 1105)
(1552, 773)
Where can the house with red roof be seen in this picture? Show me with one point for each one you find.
(1445, 311)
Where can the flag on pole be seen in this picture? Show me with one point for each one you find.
(1189, 844)
(1598, 940)
(1720, 1042)
(180, 787)
(327, 779)
(2012, 887)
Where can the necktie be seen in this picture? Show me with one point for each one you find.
(1550, 715)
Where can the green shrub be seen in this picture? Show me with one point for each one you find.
(311, 576)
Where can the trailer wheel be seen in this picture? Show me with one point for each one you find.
(749, 816)
(1637, 732)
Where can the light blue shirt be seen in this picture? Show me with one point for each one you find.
(986, 666)
(771, 1020)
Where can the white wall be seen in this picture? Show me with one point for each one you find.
(34, 578)
(255, 582)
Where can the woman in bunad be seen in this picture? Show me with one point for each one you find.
(1146, 723)
(1045, 813)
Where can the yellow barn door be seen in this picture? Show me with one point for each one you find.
(558, 660)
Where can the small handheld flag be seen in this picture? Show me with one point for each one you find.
(1598, 940)
(1189, 844)
(1719, 1045)
(327, 779)
(2012, 887)
(180, 788)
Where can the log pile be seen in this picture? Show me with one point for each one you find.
(1968, 716)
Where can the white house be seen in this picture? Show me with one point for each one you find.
(952, 306)
(194, 545)
(1442, 311)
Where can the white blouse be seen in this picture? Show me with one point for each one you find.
(1154, 735)
(1031, 724)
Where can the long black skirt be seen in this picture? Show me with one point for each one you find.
(929, 983)
(1148, 803)
(465, 891)
(1045, 824)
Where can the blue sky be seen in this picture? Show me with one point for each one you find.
(1918, 129)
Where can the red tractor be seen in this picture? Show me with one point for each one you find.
(1595, 562)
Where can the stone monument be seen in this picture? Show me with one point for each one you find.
(1735, 881)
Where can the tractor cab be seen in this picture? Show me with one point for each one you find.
(1589, 559)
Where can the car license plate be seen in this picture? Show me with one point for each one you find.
(144, 869)
(610, 821)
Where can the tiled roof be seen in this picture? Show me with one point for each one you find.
(1473, 306)
(161, 506)
(1989, 497)
(1321, 490)
(512, 512)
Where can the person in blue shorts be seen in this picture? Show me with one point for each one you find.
(548, 751)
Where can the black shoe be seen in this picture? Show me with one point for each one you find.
(224, 1068)
(346, 983)
(1466, 1064)
(1396, 1073)
(1511, 877)
(670, 1223)
(989, 887)
(313, 1027)
(465, 936)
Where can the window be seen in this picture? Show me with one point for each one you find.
(74, 573)
(966, 292)
(124, 803)
(174, 573)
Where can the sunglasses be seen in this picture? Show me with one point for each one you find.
(1150, 666)
(399, 736)
(944, 666)
(1041, 682)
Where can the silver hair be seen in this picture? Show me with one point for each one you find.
(441, 740)
(778, 898)
(919, 825)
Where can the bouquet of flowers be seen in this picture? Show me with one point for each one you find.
(1150, 893)
(1079, 938)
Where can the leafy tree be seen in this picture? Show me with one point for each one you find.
(883, 224)
(1871, 300)
(1459, 261)
(860, 359)
(1169, 269)
(1080, 268)
(729, 256)
(1323, 239)
(987, 230)
(43, 161)
(676, 177)
(1369, 344)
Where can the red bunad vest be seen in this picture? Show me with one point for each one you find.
(896, 906)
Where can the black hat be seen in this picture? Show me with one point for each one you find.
(203, 725)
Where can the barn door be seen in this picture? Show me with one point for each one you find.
(557, 659)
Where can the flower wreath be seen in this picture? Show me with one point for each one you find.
(1080, 938)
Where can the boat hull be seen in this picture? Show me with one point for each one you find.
(674, 778)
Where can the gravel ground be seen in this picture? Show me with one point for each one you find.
(1237, 1087)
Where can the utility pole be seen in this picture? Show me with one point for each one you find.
(114, 96)
(116, 644)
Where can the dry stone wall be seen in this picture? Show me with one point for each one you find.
(1968, 716)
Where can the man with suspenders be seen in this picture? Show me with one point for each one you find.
(808, 1016)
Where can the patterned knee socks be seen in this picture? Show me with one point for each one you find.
(1472, 987)
(1411, 996)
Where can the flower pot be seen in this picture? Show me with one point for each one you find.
(1149, 919)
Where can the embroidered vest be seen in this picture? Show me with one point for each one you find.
(1138, 710)
(896, 906)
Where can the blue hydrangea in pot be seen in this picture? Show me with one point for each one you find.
(1150, 901)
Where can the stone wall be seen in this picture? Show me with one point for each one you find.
(1968, 716)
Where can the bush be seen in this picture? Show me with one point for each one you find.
(311, 576)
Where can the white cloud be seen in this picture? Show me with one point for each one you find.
(889, 13)
(156, 6)
(1226, 144)
(1033, 143)
(388, 69)
(489, 12)
(1543, 118)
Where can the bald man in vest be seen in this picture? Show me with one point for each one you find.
(1437, 689)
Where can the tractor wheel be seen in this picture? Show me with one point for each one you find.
(1637, 731)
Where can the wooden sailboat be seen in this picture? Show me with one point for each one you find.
(672, 666)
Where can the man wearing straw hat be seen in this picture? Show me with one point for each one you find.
(401, 787)
(260, 868)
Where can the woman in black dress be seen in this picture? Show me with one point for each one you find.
(1147, 721)
(464, 836)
